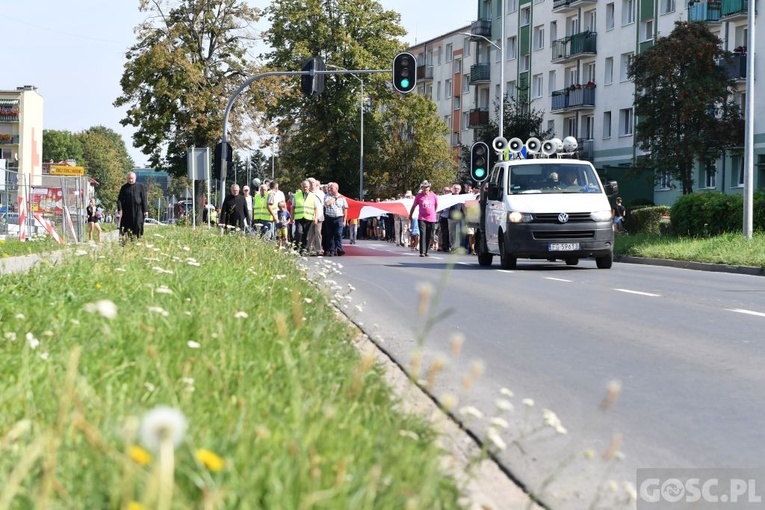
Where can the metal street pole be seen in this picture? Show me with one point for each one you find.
(361, 136)
(749, 127)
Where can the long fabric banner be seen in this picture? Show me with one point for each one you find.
(402, 206)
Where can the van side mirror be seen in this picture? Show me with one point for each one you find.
(494, 193)
(612, 188)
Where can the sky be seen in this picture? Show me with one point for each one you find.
(73, 52)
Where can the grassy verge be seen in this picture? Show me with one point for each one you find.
(281, 411)
(730, 249)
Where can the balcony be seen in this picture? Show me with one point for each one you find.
(704, 11)
(574, 46)
(736, 68)
(424, 73)
(733, 10)
(9, 139)
(563, 6)
(480, 28)
(480, 73)
(478, 117)
(568, 99)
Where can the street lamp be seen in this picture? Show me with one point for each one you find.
(501, 49)
(361, 136)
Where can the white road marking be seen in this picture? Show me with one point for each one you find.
(747, 312)
(509, 271)
(638, 293)
(558, 279)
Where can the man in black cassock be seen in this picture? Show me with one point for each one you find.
(133, 207)
(233, 214)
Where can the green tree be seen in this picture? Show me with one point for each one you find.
(190, 58)
(106, 160)
(414, 149)
(320, 135)
(683, 103)
(60, 146)
(519, 121)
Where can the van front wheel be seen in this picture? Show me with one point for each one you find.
(505, 260)
(605, 262)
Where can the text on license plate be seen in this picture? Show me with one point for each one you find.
(563, 246)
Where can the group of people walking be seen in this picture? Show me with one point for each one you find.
(312, 220)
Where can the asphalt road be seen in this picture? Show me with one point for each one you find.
(687, 347)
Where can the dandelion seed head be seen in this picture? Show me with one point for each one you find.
(105, 308)
(162, 423)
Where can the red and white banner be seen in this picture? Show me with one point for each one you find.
(49, 227)
(22, 217)
(402, 206)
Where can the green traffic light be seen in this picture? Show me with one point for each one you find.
(404, 83)
(480, 172)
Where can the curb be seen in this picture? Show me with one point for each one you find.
(697, 266)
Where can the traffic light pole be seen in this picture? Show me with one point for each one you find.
(249, 81)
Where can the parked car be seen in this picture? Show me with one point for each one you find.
(9, 224)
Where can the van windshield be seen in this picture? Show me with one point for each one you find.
(553, 178)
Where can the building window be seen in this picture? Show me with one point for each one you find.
(625, 122)
(449, 52)
(497, 51)
(589, 73)
(511, 49)
(610, 16)
(589, 127)
(457, 103)
(438, 56)
(465, 120)
(551, 126)
(626, 61)
(465, 84)
(537, 85)
(457, 65)
(525, 63)
(590, 21)
(429, 91)
(448, 120)
(646, 30)
(663, 181)
(606, 125)
(512, 6)
(525, 16)
(738, 164)
(628, 12)
(438, 91)
(539, 37)
(667, 6)
(466, 47)
(551, 82)
(511, 91)
(608, 77)
(569, 126)
(447, 89)
(710, 177)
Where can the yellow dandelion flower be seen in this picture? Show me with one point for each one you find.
(210, 460)
(139, 455)
(98, 285)
(133, 505)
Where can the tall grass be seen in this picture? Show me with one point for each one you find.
(730, 249)
(234, 336)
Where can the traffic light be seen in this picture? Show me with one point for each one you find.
(479, 161)
(312, 84)
(218, 157)
(404, 72)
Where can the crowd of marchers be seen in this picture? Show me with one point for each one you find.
(314, 219)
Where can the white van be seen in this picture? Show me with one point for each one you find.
(547, 208)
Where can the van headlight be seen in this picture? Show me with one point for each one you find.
(519, 217)
(600, 215)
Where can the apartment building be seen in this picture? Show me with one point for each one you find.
(21, 133)
(569, 59)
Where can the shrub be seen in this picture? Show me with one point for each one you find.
(707, 214)
(646, 219)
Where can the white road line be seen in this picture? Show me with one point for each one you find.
(558, 279)
(509, 271)
(638, 293)
(748, 312)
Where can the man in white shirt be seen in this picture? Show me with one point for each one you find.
(314, 235)
(248, 202)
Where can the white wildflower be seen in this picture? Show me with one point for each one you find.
(19, 316)
(121, 270)
(409, 434)
(10, 336)
(551, 420)
(193, 345)
(44, 356)
(630, 490)
(149, 386)
(493, 436)
(162, 423)
(32, 341)
(193, 263)
(187, 313)
(163, 290)
(104, 308)
(240, 315)
(351, 287)
(528, 402)
(359, 308)
(471, 412)
(504, 405)
(506, 392)
(161, 270)
(48, 333)
(308, 300)
(159, 310)
(186, 248)
(80, 253)
(74, 322)
(499, 423)
(280, 276)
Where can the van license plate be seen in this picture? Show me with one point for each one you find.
(563, 246)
